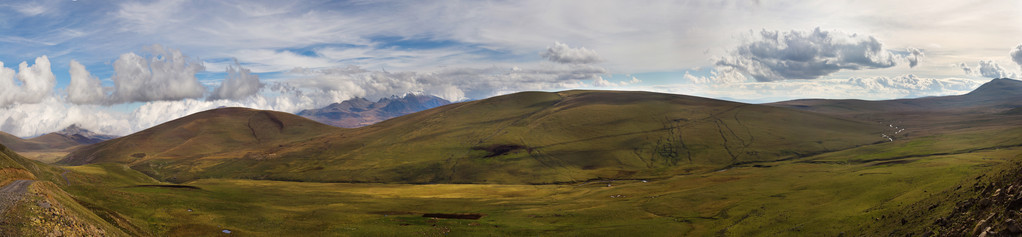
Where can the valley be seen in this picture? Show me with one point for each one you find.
(591, 163)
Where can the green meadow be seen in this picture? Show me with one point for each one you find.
(794, 197)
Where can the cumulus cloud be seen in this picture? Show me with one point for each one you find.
(164, 74)
(83, 88)
(159, 74)
(965, 68)
(913, 56)
(562, 53)
(988, 69)
(778, 56)
(240, 83)
(34, 83)
(1016, 54)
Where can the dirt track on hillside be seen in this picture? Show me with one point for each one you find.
(12, 193)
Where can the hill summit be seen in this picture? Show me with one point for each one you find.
(82, 136)
(999, 87)
(211, 134)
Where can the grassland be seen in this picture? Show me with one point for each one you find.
(575, 163)
(792, 197)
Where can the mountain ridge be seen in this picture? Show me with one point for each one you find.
(62, 140)
(526, 137)
(360, 112)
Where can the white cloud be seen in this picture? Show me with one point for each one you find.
(966, 69)
(30, 9)
(634, 80)
(37, 80)
(562, 53)
(913, 56)
(913, 86)
(264, 60)
(1016, 54)
(34, 83)
(992, 70)
(720, 75)
(240, 83)
(777, 55)
(83, 88)
(600, 82)
(164, 74)
(51, 114)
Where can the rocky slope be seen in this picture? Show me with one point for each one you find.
(988, 205)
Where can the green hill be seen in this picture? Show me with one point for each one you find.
(204, 138)
(528, 137)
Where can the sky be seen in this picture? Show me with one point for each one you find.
(118, 67)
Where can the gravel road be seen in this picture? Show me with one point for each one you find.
(12, 193)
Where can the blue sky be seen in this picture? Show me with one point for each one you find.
(147, 62)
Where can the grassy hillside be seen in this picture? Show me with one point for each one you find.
(202, 139)
(753, 171)
(43, 208)
(16, 143)
(995, 96)
(794, 197)
(529, 137)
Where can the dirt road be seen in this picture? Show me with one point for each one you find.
(12, 193)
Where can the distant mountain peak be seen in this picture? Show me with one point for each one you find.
(82, 135)
(358, 112)
(73, 129)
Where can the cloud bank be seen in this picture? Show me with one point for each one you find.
(449, 83)
(872, 88)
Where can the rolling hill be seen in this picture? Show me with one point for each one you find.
(995, 96)
(360, 112)
(528, 137)
(204, 137)
(985, 106)
(620, 163)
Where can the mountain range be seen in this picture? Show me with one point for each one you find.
(62, 140)
(360, 112)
